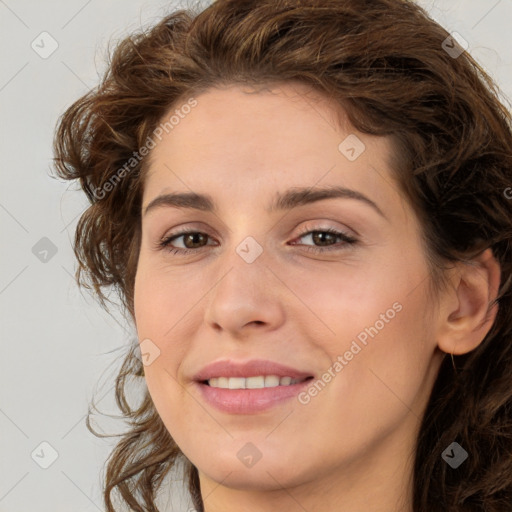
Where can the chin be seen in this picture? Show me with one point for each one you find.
(268, 473)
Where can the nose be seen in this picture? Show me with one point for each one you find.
(246, 296)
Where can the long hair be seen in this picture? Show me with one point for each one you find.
(390, 68)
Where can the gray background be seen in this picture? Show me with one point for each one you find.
(58, 347)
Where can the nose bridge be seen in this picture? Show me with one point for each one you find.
(244, 268)
(247, 244)
(246, 291)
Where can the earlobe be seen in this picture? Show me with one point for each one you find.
(466, 314)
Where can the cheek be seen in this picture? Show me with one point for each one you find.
(375, 322)
(156, 320)
(345, 302)
(163, 298)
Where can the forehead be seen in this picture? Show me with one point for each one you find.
(243, 112)
(267, 138)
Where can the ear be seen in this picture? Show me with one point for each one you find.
(465, 314)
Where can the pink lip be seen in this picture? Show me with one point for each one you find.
(251, 368)
(248, 401)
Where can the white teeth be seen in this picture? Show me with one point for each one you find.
(236, 383)
(260, 381)
(254, 382)
(271, 381)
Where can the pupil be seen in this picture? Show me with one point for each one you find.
(321, 235)
(194, 237)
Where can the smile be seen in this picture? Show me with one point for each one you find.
(258, 382)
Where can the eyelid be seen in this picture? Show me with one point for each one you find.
(348, 241)
(310, 226)
(326, 225)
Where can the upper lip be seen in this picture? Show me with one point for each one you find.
(252, 368)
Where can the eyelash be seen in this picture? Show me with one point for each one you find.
(348, 241)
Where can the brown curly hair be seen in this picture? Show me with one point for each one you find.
(385, 63)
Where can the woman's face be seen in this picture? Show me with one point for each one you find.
(265, 280)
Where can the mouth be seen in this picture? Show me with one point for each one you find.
(250, 395)
(249, 387)
(255, 382)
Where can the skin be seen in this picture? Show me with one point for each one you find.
(351, 447)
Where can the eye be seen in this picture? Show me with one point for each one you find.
(190, 237)
(194, 241)
(326, 238)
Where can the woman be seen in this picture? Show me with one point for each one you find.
(303, 207)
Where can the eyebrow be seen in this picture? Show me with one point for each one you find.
(287, 200)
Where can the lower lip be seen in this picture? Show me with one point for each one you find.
(248, 401)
